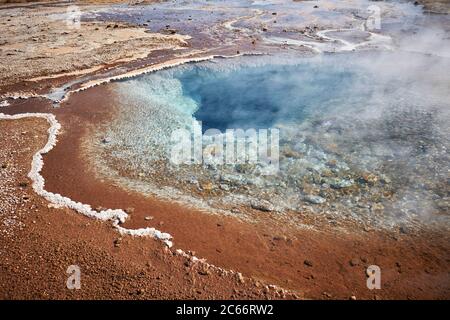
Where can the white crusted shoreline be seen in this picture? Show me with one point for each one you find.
(116, 215)
(127, 75)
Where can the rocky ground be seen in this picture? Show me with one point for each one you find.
(436, 6)
(36, 42)
(38, 242)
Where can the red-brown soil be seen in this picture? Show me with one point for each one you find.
(43, 242)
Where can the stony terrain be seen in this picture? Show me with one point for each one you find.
(36, 42)
(38, 242)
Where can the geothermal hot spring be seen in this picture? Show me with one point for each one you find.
(363, 137)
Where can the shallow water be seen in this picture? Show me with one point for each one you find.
(361, 137)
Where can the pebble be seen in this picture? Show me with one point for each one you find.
(203, 272)
(403, 230)
(262, 206)
(339, 184)
(354, 262)
(314, 199)
(117, 242)
(308, 263)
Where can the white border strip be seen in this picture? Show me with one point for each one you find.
(116, 215)
(153, 68)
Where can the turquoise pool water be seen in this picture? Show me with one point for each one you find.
(361, 136)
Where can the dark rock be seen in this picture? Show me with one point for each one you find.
(117, 242)
(308, 263)
(403, 230)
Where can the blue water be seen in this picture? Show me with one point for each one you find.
(260, 96)
(339, 115)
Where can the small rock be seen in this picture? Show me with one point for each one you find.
(339, 184)
(262, 205)
(308, 263)
(203, 272)
(117, 242)
(129, 210)
(353, 298)
(106, 140)
(141, 291)
(377, 207)
(368, 178)
(170, 31)
(314, 199)
(385, 179)
(403, 230)
(207, 186)
(354, 262)
(148, 218)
